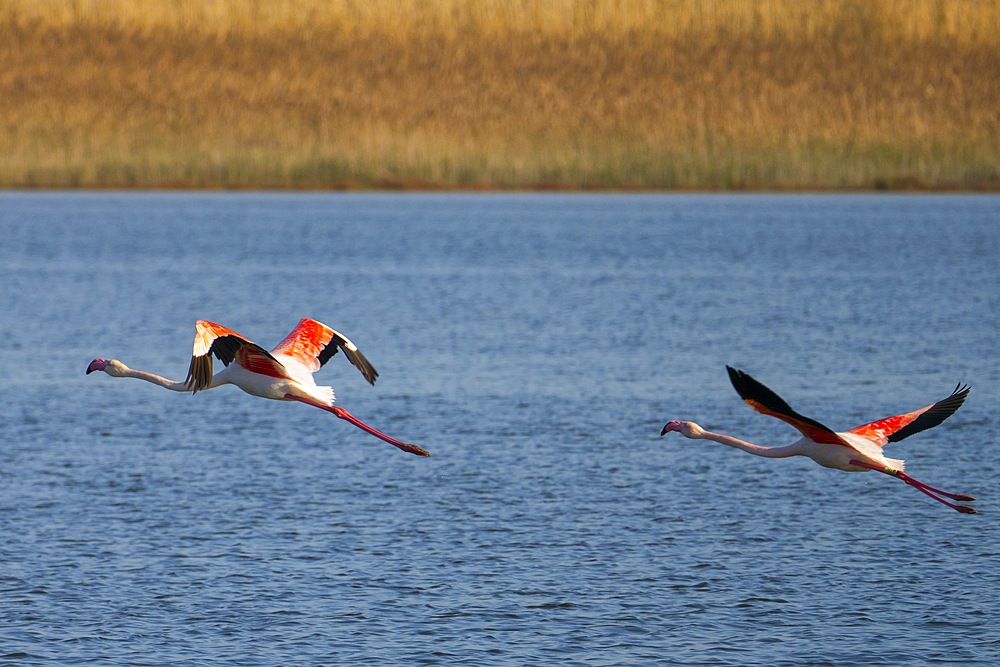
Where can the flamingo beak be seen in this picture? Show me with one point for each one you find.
(673, 425)
(97, 365)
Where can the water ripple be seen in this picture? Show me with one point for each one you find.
(552, 525)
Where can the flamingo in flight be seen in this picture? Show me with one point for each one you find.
(285, 373)
(857, 450)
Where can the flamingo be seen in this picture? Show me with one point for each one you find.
(857, 450)
(285, 373)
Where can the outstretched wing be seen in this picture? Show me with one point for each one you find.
(214, 339)
(313, 343)
(766, 402)
(897, 427)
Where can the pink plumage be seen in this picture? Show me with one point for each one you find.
(284, 373)
(857, 450)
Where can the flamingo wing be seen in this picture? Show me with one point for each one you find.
(313, 344)
(897, 427)
(214, 339)
(766, 402)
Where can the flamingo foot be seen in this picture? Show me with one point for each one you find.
(347, 416)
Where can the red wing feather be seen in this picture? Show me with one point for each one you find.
(256, 361)
(214, 339)
(897, 427)
(766, 402)
(306, 343)
(806, 428)
(313, 343)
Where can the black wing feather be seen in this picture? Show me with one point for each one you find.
(224, 348)
(353, 354)
(750, 389)
(328, 352)
(934, 415)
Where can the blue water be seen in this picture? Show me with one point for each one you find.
(535, 344)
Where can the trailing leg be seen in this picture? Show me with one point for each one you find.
(923, 488)
(347, 416)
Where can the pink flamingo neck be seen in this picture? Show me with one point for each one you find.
(155, 379)
(750, 448)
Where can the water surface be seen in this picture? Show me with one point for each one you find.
(535, 344)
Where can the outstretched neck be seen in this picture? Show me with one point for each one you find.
(153, 378)
(750, 448)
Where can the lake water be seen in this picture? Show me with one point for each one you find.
(535, 344)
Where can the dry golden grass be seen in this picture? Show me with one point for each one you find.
(492, 93)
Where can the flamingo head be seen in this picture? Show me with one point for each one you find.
(97, 365)
(687, 429)
(110, 366)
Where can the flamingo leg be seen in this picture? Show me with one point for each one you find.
(914, 482)
(922, 487)
(347, 416)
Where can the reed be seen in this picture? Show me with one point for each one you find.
(500, 94)
(966, 20)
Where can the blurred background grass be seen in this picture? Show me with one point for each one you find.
(660, 94)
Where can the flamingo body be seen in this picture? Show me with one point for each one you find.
(284, 373)
(856, 450)
(840, 457)
(273, 386)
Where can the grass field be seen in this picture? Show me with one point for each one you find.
(659, 94)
